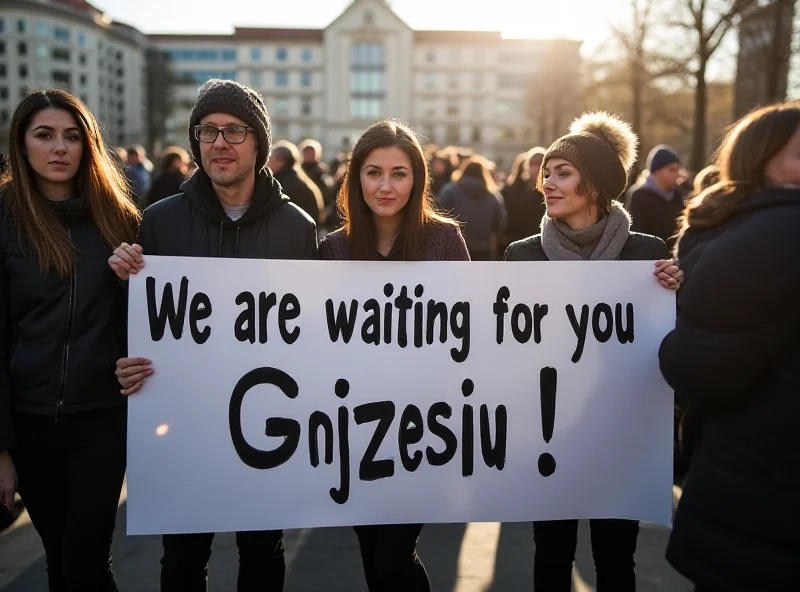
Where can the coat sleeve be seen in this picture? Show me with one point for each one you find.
(147, 234)
(638, 211)
(738, 311)
(6, 430)
(311, 248)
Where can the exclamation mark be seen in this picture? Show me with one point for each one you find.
(548, 381)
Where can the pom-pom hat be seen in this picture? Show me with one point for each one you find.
(603, 149)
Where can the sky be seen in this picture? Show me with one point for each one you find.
(584, 20)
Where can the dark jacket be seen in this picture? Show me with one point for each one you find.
(482, 214)
(168, 183)
(301, 191)
(59, 338)
(525, 208)
(638, 247)
(443, 242)
(193, 224)
(320, 175)
(735, 353)
(652, 214)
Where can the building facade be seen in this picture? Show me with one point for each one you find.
(71, 45)
(472, 89)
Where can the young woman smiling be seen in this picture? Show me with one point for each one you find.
(582, 176)
(63, 207)
(386, 206)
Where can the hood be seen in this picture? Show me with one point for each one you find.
(472, 187)
(267, 195)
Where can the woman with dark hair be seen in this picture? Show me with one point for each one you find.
(735, 356)
(582, 176)
(63, 207)
(388, 216)
(474, 201)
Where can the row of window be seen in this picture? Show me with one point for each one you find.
(281, 54)
(279, 106)
(202, 55)
(456, 108)
(57, 32)
(432, 81)
(459, 56)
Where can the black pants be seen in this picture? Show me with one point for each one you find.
(70, 478)
(613, 546)
(184, 565)
(389, 554)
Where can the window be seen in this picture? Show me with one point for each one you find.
(119, 56)
(42, 30)
(429, 108)
(305, 107)
(23, 91)
(3, 71)
(199, 77)
(228, 55)
(512, 80)
(120, 89)
(366, 108)
(3, 93)
(202, 55)
(509, 108)
(280, 130)
(477, 110)
(505, 133)
(282, 107)
(83, 79)
(255, 79)
(453, 108)
(61, 33)
(3, 115)
(82, 39)
(2, 26)
(430, 57)
(367, 80)
(84, 99)
(368, 55)
(60, 55)
(256, 54)
(121, 106)
(42, 51)
(22, 48)
(306, 55)
(429, 82)
(22, 26)
(82, 59)
(305, 79)
(281, 54)
(452, 134)
(281, 78)
(61, 77)
(2, 48)
(476, 133)
(23, 71)
(452, 82)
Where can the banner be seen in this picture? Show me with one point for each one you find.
(293, 394)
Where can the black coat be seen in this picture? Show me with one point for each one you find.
(59, 338)
(638, 247)
(320, 175)
(168, 183)
(193, 224)
(652, 214)
(301, 191)
(525, 208)
(735, 353)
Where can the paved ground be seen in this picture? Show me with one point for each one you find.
(487, 557)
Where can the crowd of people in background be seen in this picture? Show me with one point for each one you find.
(77, 219)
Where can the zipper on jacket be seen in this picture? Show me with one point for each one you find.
(70, 316)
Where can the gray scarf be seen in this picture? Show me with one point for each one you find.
(600, 242)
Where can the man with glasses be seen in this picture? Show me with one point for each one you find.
(231, 207)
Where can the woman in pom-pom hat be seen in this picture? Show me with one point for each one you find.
(582, 176)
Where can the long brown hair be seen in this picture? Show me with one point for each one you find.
(418, 214)
(476, 167)
(742, 160)
(98, 180)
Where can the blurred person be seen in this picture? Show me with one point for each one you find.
(284, 162)
(174, 170)
(232, 207)
(443, 164)
(317, 170)
(706, 178)
(524, 203)
(472, 199)
(138, 176)
(583, 174)
(657, 203)
(63, 205)
(388, 216)
(735, 355)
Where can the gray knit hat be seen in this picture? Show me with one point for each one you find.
(227, 96)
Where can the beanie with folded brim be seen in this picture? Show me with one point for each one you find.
(227, 96)
(660, 157)
(602, 148)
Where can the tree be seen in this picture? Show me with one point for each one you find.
(161, 83)
(707, 22)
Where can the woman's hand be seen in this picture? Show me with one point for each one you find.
(131, 373)
(669, 274)
(8, 480)
(127, 259)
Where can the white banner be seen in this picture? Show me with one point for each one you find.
(291, 394)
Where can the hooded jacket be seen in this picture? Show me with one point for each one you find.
(60, 338)
(194, 224)
(481, 213)
(301, 191)
(735, 355)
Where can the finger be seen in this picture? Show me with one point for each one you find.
(132, 390)
(125, 362)
(139, 249)
(129, 376)
(125, 259)
(135, 255)
(125, 371)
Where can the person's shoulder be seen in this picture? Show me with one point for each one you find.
(526, 249)
(289, 212)
(644, 246)
(168, 208)
(334, 246)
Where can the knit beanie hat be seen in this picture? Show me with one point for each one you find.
(227, 96)
(602, 148)
(661, 156)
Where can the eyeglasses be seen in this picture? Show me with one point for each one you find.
(232, 135)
